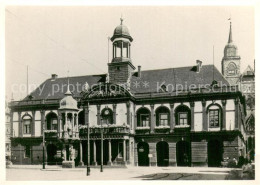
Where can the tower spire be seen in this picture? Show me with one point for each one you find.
(121, 19)
(68, 86)
(230, 32)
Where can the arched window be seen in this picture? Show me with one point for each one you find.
(232, 69)
(162, 116)
(214, 115)
(182, 115)
(107, 116)
(81, 118)
(143, 117)
(27, 122)
(52, 121)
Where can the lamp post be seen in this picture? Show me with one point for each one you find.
(43, 146)
(88, 165)
(101, 131)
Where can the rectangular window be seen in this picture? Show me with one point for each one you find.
(183, 118)
(214, 118)
(163, 119)
(54, 124)
(144, 120)
(27, 151)
(26, 126)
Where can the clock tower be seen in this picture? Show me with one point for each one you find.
(231, 61)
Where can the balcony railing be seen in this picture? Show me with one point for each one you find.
(50, 134)
(106, 130)
(34, 102)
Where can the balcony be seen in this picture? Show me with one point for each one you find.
(49, 134)
(142, 130)
(162, 129)
(112, 129)
(182, 128)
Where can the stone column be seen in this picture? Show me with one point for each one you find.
(113, 50)
(223, 126)
(42, 120)
(94, 153)
(109, 153)
(124, 151)
(122, 46)
(172, 154)
(128, 105)
(204, 115)
(11, 124)
(152, 150)
(114, 113)
(152, 119)
(172, 118)
(77, 125)
(236, 113)
(33, 123)
(129, 50)
(20, 125)
(81, 163)
(98, 115)
(66, 134)
(192, 116)
(135, 119)
(59, 124)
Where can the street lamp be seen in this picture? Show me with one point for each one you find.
(43, 146)
(101, 165)
(88, 165)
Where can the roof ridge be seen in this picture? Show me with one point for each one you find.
(77, 76)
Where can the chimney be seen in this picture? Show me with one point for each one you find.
(139, 72)
(53, 77)
(199, 64)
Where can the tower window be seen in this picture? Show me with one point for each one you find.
(118, 68)
(232, 69)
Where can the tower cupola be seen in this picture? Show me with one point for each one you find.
(121, 40)
(121, 68)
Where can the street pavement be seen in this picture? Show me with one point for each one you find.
(35, 172)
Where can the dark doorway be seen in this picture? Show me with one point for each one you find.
(143, 151)
(215, 150)
(162, 149)
(183, 153)
(51, 152)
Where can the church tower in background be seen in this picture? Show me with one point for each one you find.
(231, 61)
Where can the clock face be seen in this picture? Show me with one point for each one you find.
(107, 112)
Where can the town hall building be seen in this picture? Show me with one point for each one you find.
(186, 116)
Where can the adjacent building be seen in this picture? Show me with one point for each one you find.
(187, 116)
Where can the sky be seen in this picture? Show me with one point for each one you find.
(73, 41)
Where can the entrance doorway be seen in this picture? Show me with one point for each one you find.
(51, 152)
(215, 150)
(162, 149)
(183, 153)
(143, 151)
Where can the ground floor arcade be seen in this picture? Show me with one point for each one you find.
(142, 150)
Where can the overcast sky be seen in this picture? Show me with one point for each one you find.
(57, 39)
